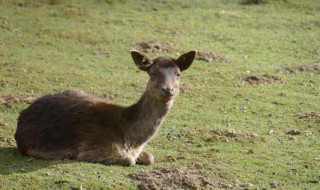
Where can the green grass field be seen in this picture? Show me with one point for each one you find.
(248, 121)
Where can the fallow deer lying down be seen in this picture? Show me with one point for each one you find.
(75, 125)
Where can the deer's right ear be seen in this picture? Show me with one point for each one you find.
(142, 61)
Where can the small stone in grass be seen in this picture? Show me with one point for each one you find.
(251, 151)
(294, 132)
(273, 184)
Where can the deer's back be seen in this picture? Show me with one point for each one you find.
(68, 120)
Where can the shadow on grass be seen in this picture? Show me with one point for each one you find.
(11, 161)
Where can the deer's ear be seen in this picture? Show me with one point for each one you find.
(185, 60)
(142, 61)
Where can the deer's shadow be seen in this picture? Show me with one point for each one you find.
(11, 161)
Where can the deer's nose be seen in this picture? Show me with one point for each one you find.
(167, 91)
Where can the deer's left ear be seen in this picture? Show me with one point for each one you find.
(185, 60)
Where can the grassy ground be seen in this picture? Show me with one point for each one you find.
(235, 134)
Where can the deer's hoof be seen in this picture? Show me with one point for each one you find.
(128, 162)
(145, 158)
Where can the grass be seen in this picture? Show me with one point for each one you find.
(49, 47)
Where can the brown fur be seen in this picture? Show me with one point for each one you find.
(75, 125)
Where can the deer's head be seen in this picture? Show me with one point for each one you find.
(164, 73)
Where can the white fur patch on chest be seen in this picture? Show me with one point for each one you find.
(135, 152)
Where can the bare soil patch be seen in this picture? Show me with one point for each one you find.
(155, 47)
(310, 116)
(178, 178)
(231, 133)
(9, 99)
(313, 67)
(210, 56)
(261, 79)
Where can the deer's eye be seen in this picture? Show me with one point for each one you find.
(153, 74)
(178, 74)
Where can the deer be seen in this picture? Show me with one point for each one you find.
(76, 125)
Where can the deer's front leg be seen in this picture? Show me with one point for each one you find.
(145, 158)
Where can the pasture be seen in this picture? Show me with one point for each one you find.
(248, 112)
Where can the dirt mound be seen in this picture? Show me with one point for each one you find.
(261, 79)
(310, 116)
(210, 56)
(313, 67)
(155, 46)
(181, 178)
(9, 99)
(231, 133)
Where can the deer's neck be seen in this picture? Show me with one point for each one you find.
(144, 118)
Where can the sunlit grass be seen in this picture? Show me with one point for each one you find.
(48, 47)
